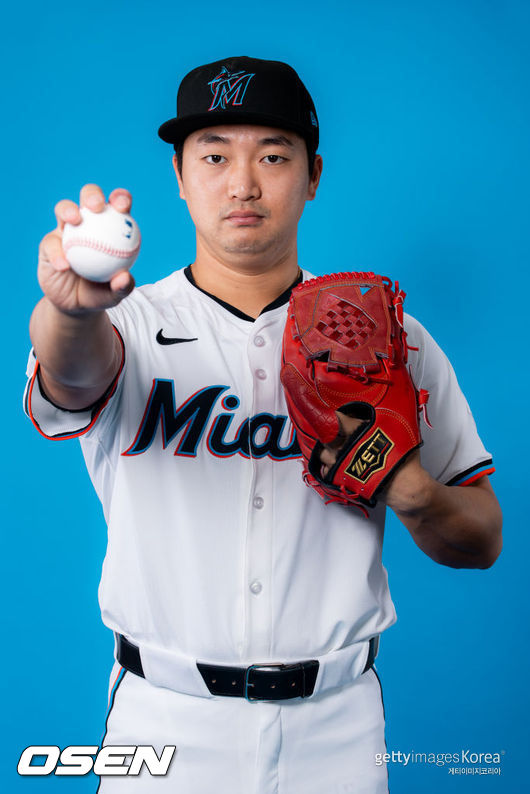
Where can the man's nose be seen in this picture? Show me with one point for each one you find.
(243, 183)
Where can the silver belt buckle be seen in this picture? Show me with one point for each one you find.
(265, 666)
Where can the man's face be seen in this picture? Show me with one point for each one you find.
(246, 187)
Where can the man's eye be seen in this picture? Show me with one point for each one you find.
(274, 158)
(214, 158)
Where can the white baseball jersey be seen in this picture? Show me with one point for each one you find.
(217, 550)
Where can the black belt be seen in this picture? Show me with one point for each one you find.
(257, 682)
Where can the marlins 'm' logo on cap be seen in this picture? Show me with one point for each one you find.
(225, 92)
(229, 88)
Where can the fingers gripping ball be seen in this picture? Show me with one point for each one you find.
(102, 244)
(344, 349)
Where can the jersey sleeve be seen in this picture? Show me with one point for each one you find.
(56, 423)
(452, 451)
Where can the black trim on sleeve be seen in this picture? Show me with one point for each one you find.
(279, 301)
(94, 410)
(95, 405)
(45, 396)
(464, 474)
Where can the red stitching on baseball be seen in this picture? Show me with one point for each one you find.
(97, 246)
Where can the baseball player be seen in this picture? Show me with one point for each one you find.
(247, 612)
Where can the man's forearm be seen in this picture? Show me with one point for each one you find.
(455, 526)
(79, 354)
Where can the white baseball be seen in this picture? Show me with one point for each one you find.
(102, 244)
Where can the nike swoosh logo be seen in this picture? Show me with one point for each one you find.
(169, 340)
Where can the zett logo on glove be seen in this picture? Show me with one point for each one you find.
(370, 457)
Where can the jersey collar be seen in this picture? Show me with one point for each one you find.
(279, 301)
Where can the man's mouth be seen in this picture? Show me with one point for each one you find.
(243, 217)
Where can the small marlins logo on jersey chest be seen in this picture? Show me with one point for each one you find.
(262, 435)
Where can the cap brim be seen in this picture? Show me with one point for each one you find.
(175, 130)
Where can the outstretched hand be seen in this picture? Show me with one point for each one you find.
(67, 291)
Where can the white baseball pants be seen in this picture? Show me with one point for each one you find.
(325, 744)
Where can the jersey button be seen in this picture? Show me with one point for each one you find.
(261, 374)
(256, 587)
(259, 341)
(258, 502)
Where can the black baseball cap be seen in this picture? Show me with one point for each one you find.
(243, 90)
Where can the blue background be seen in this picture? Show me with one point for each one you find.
(425, 129)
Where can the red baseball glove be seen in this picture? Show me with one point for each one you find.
(344, 349)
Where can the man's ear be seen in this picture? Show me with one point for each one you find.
(315, 178)
(179, 177)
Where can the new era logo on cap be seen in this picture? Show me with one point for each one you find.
(229, 88)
